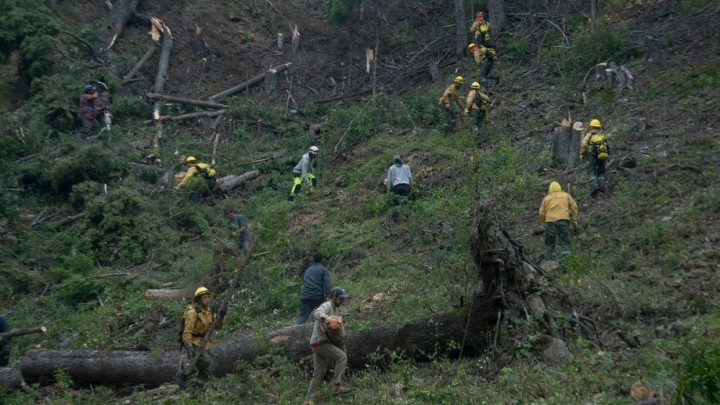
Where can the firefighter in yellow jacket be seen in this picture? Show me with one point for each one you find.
(451, 96)
(198, 318)
(595, 149)
(484, 57)
(480, 29)
(477, 107)
(557, 211)
(202, 170)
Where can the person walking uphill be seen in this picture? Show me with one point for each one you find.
(327, 344)
(484, 57)
(557, 211)
(86, 112)
(304, 172)
(595, 149)
(399, 183)
(203, 170)
(316, 286)
(477, 104)
(480, 29)
(239, 221)
(198, 318)
(451, 96)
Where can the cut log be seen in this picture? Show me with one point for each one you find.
(161, 76)
(204, 114)
(232, 181)
(168, 294)
(120, 14)
(134, 71)
(208, 104)
(21, 332)
(264, 157)
(247, 84)
(270, 81)
(10, 377)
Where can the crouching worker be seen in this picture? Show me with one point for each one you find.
(197, 320)
(328, 344)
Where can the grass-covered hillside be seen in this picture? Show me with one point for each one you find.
(88, 224)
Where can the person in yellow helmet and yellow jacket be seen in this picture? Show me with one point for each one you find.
(451, 96)
(477, 104)
(594, 147)
(198, 318)
(480, 29)
(557, 211)
(202, 170)
(484, 57)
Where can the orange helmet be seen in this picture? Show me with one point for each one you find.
(480, 16)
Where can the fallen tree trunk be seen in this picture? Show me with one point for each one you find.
(189, 116)
(168, 294)
(232, 181)
(252, 82)
(10, 377)
(208, 104)
(134, 71)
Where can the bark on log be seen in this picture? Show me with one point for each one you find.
(247, 84)
(10, 377)
(560, 144)
(120, 14)
(168, 294)
(204, 114)
(232, 181)
(134, 71)
(160, 79)
(208, 104)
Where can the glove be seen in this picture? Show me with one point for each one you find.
(190, 350)
(334, 323)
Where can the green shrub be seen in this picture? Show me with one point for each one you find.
(90, 163)
(79, 291)
(700, 379)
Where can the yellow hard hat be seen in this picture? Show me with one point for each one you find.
(475, 85)
(190, 159)
(459, 80)
(471, 46)
(595, 123)
(201, 291)
(554, 187)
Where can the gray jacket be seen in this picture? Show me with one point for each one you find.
(398, 174)
(320, 329)
(304, 167)
(316, 282)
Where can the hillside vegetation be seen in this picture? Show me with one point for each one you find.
(88, 225)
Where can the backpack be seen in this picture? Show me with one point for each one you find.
(480, 101)
(182, 323)
(206, 170)
(599, 146)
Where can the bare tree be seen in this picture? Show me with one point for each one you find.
(593, 16)
(460, 29)
(498, 19)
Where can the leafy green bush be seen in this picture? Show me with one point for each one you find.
(90, 163)
(80, 291)
(700, 379)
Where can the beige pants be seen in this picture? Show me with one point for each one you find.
(322, 355)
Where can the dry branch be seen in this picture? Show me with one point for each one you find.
(208, 104)
(22, 332)
(204, 114)
(134, 71)
(249, 83)
(168, 294)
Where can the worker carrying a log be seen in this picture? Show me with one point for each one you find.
(595, 149)
(328, 344)
(557, 211)
(239, 222)
(451, 96)
(399, 182)
(477, 104)
(86, 111)
(200, 178)
(480, 29)
(4, 342)
(315, 289)
(484, 57)
(197, 320)
(304, 172)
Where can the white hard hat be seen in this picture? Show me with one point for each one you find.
(314, 150)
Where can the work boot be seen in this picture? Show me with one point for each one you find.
(339, 389)
(291, 197)
(180, 380)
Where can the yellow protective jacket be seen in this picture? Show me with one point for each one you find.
(480, 52)
(451, 96)
(197, 324)
(481, 30)
(558, 205)
(197, 170)
(484, 101)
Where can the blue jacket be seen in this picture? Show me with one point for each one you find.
(316, 282)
